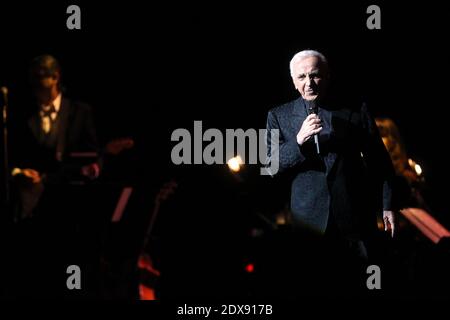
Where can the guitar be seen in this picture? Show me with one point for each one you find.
(148, 274)
(30, 184)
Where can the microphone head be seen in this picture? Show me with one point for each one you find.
(4, 90)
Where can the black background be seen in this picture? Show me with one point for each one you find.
(227, 64)
(150, 68)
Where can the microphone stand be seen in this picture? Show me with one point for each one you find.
(5, 145)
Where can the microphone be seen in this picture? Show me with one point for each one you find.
(312, 109)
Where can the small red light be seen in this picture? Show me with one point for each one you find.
(250, 268)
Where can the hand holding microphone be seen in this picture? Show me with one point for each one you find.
(311, 126)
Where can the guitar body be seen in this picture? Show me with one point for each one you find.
(148, 274)
(29, 184)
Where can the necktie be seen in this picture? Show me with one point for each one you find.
(48, 115)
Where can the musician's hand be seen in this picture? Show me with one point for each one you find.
(32, 174)
(91, 171)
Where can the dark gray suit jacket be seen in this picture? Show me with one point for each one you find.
(352, 177)
(75, 133)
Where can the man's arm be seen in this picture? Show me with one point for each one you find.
(91, 170)
(83, 141)
(389, 221)
(380, 162)
(90, 140)
(286, 153)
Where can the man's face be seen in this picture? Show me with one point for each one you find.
(309, 77)
(43, 80)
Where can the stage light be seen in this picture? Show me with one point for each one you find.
(235, 163)
(250, 267)
(417, 168)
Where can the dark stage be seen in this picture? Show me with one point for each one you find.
(149, 69)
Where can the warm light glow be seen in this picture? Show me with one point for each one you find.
(415, 166)
(281, 218)
(418, 169)
(380, 224)
(235, 163)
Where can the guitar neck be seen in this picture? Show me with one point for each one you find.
(150, 226)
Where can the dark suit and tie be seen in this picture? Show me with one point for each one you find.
(72, 130)
(335, 194)
(46, 137)
(52, 207)
(49, 153)
(345, 180)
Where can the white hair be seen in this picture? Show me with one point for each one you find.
(305, 54)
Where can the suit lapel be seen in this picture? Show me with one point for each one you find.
(62, 133)
(34, 122)
(340, 122)
(332, 155)
(298, 115)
